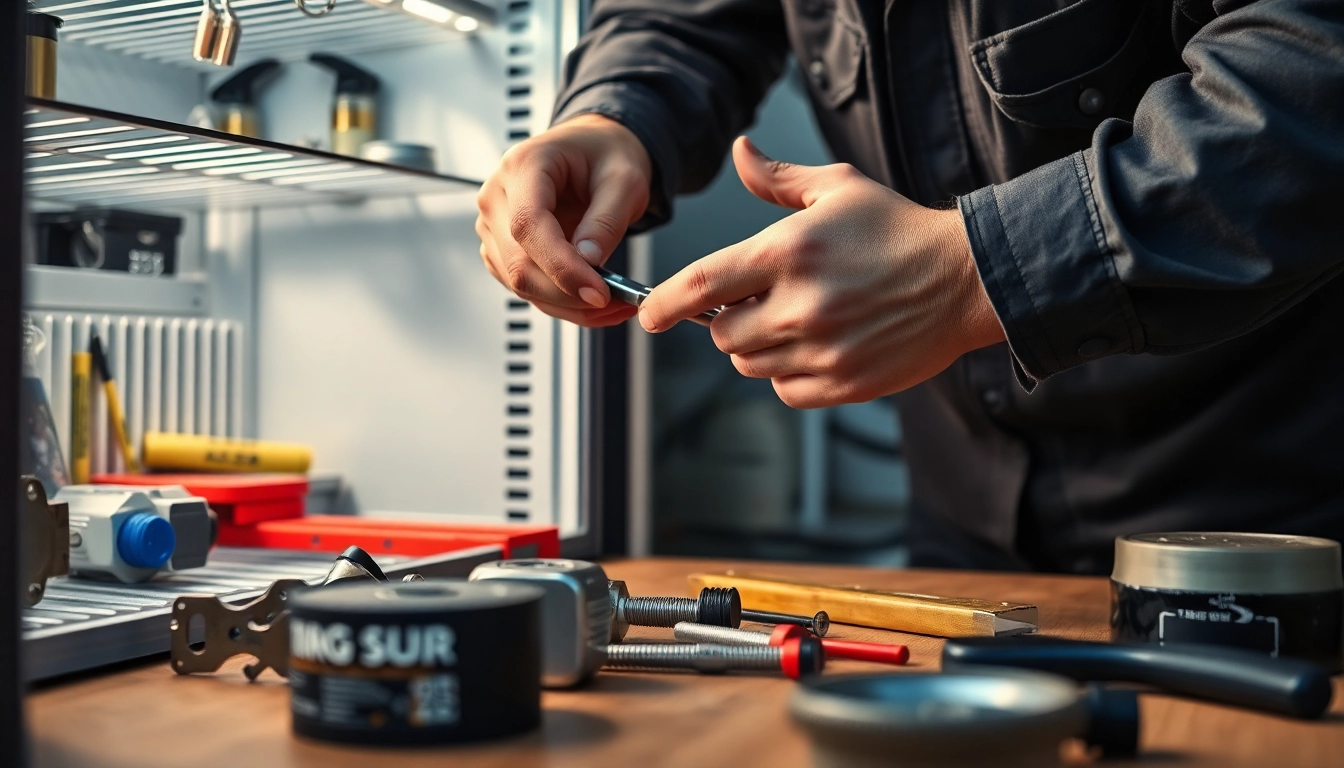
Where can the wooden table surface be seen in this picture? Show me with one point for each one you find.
(147, 716)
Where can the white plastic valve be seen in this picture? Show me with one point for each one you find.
(131, 533)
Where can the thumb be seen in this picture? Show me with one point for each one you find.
(774, 181)
(618, 200)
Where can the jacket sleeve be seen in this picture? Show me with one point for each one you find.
(685, 77)
(1218, 208)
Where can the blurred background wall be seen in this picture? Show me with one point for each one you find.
(735, 471)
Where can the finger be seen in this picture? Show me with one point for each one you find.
(618, 200)
(788, 359)
(750, 326)
(533, 227)
(805, 391)
(719, 279)
(614, 314)
(519, 274)
(786, 184)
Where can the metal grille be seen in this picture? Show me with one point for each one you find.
(163, 30)
(176, 374)
(76, 155)
(84, 624)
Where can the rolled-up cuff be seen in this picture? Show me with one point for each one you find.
(638, 109)
(1041, 253)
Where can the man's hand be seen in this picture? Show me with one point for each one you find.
(860, 294)
(557, 207)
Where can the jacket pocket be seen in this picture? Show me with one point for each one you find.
(1067, 69)
(829, 47)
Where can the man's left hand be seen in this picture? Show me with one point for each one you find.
(859, 294)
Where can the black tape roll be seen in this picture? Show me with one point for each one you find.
(431, 662)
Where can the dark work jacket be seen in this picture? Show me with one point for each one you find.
(1154, 195)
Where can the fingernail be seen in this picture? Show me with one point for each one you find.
(592, 297)
(645, 322)
(755, 150)
(590, 251)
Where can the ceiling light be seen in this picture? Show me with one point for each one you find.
(461, 15)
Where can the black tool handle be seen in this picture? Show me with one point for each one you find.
(1228, 675)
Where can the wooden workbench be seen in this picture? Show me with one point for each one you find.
(147, 717)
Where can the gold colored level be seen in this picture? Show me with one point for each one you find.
(900, 611)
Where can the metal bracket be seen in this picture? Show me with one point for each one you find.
(46, 538)
(259, 629)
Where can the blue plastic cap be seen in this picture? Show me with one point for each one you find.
(146, 540)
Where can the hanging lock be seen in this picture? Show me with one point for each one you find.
(207, 33)
(230, 30)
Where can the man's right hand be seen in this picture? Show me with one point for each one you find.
(556, 207)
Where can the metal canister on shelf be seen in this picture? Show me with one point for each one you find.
(417, 156)
(42, 54)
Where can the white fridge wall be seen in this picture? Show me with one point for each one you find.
(382, 341)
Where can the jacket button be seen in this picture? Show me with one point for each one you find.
(817, 70)
(1091, 101)
(1094, 347)
(993, 400)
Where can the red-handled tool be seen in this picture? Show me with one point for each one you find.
(838, 649)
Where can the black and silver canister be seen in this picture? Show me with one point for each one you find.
(1281, 595)
(428, 662)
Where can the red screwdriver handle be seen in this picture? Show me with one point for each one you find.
(879, 652)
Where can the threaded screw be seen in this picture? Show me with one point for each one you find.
(717, 606)
(799, 656)
(783, 634)
(687, 632)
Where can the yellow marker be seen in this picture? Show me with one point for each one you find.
(114, 411)
(215, 454)
(81, 367)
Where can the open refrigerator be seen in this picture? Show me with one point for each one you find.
(316, 298)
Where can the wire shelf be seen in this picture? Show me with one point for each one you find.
(81, 156)
(163, 30)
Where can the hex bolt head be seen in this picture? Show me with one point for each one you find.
(619, 625)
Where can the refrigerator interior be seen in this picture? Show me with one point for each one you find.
(318, 299)
(365, 327)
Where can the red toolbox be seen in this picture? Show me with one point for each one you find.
(333, 533)
(237, 499)
(266, 511)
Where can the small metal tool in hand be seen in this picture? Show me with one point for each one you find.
(632, 292)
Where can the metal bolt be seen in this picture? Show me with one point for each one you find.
(786, 633)
(718, 606)
(32, 491)
(797, 657)
(818, 625)
(618, 594)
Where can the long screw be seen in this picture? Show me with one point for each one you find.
(786, 633)
(717, 606)
(818, 624)
(795, 658)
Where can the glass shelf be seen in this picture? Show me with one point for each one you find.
(163, 30)
(82, 156)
